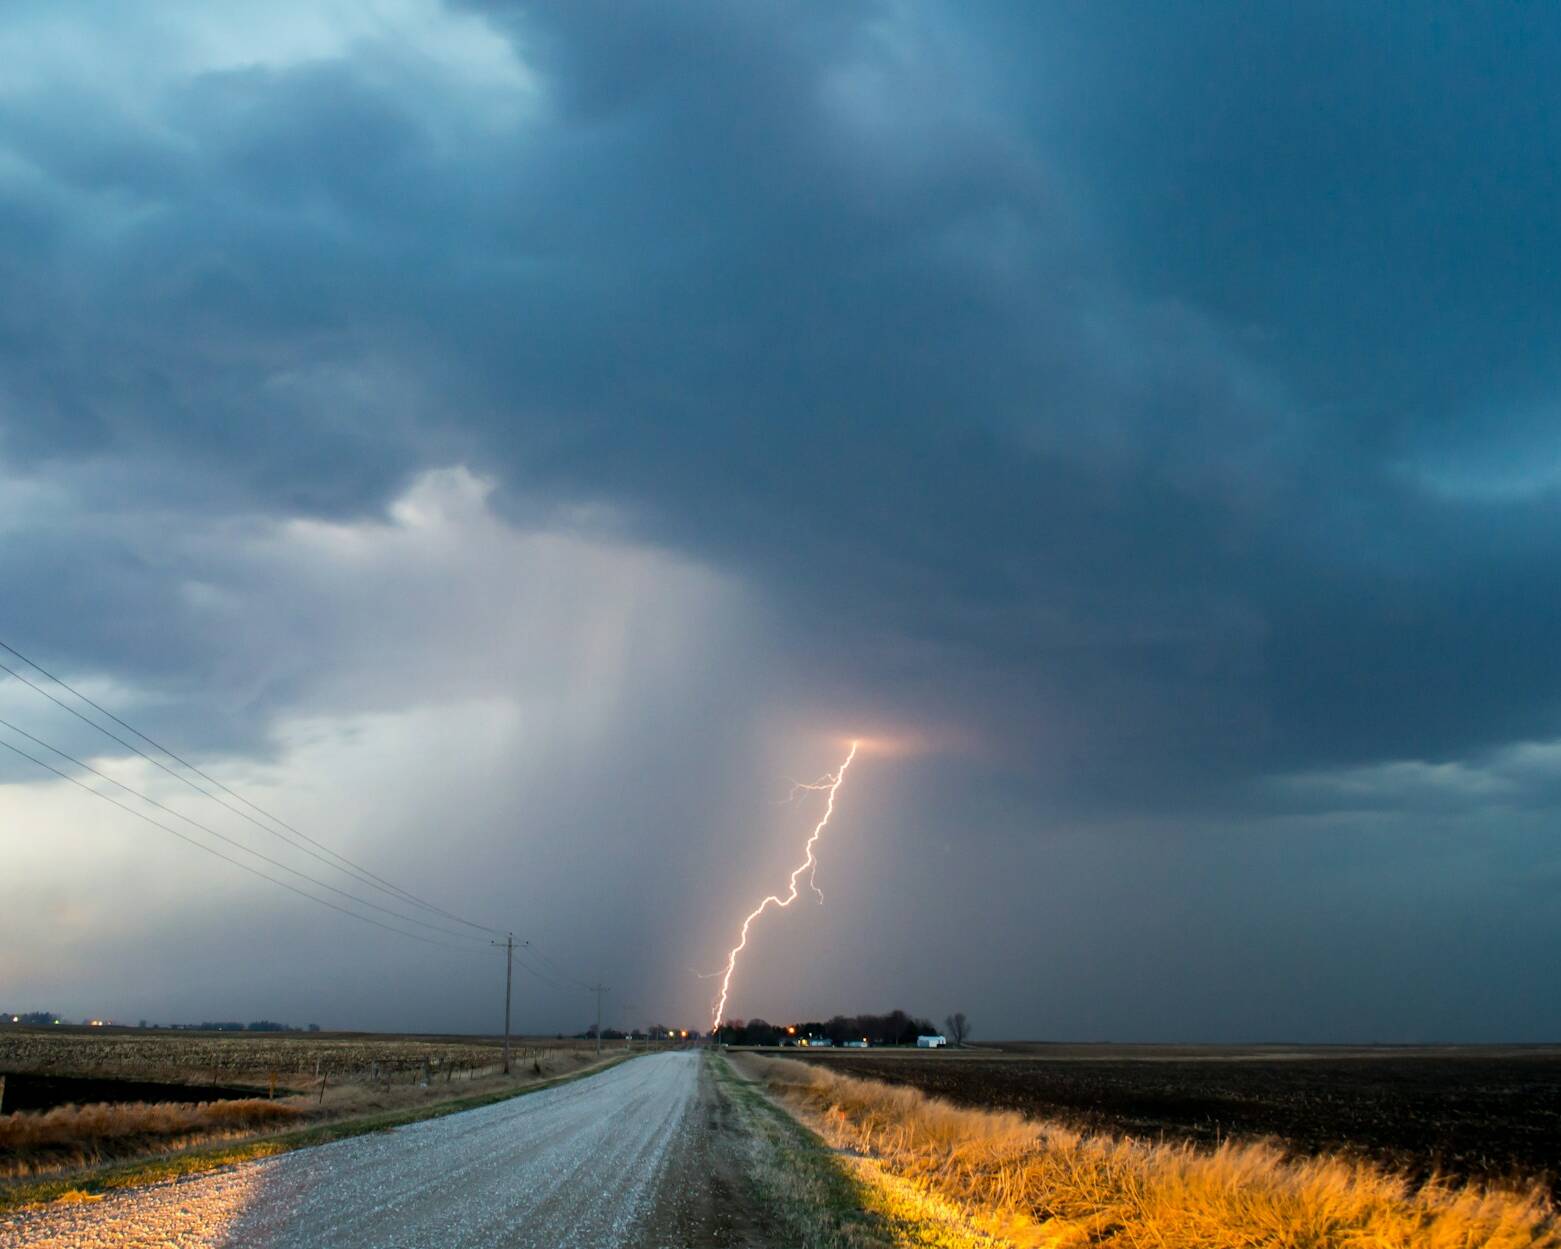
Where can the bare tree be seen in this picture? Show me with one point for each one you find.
(958, 1026)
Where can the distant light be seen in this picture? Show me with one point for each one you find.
(792, 1028)
(671, 1036)
(685, 1031)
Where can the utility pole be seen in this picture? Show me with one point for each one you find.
(509, 967)
(599, 989)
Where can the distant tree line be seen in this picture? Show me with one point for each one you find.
(656, 1032)
(36, 1017)
(895, 1028)
(232, 1025)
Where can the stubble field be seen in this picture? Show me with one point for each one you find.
(189, 1056)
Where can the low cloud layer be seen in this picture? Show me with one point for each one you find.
(515, 440)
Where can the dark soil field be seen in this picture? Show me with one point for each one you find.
(43, 1092)
(1465, 1113)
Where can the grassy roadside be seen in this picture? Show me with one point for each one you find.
(96, 1181)
(962, 1177)
(817, 1197)
(808, 1199)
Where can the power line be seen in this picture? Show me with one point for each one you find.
(362, 874)
(253, 871)
(553, 963)
(536, 971)
(161, 806)
(183, 780)
(352, 869)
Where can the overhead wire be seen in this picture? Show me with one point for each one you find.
(200, 845)
(536, 971)
(343, 864)
(553, 963)
(362, 874)
(265, 858)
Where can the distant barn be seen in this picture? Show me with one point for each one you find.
(931, 1042)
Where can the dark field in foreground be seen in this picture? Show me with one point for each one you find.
(1466, 1113)
(43, 1092)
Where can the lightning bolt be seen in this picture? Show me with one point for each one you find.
(809, 864)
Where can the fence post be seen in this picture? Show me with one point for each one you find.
(323, 1079)
(2, 1094)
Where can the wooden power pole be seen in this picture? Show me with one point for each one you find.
(509, 968)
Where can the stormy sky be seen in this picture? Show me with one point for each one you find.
(512, 443)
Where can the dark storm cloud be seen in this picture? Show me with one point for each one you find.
(878, 339)
(1161, 398)
(1364, 188)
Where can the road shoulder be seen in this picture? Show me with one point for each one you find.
(836, 1197)
(801, 1191)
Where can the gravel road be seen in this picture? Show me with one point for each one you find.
(616, 1159)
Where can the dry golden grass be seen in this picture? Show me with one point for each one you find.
(77, 1135)
(67, 1124)
(1034, 1183)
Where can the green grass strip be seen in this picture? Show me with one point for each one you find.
(796, 1178)
(16, 1194)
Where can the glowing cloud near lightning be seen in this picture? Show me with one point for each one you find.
(809, 864)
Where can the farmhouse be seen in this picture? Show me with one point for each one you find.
(931, 1042)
